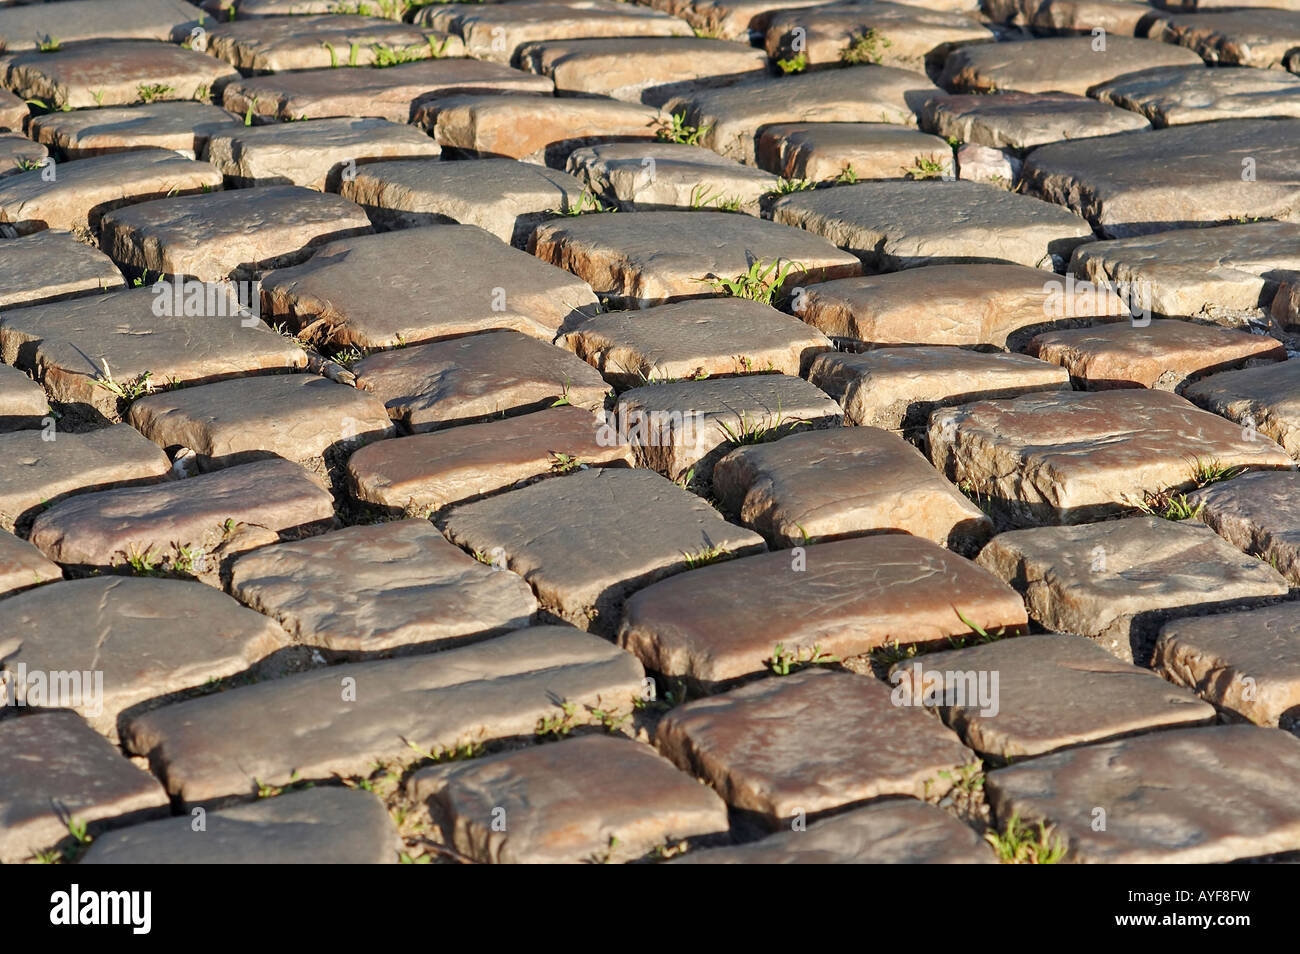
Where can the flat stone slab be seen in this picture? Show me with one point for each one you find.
(656, 257)
(690, 339)
(1071, 456)
(1264, 400)
(1163, 795)
(433, 471)
(1175, 95)
(274, 45)
(476, 378)
(19, 154)
(543, 796)
(685, 427)
(786, 749)
(295, 416)
(233, 234)
(309, 726)
(22, 401)
(1234, 37)
(144, 638)
(895, 225)
(822, 151)
(729, 19)
(1116, 17)
(1165, 354)
(13, 110)
(24, 27)
(641, 177)
(569, 538)
(182, 127)
(82, 191)
(1022, 121)
(846, 598)
(319, 826)
(22, 566)
(503, 196)
(1257, 513)
(1117, 581)
(318, 153)
(1058, 64)
(50, 265)
(1109, 180)
(57, 769)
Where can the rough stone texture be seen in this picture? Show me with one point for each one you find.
(641, 177)
(1191, 796)
(1174, 95)
(895, 225)
(18, 154)
(1264, 400)
(58, 768)
(1022, 121)
(729, 19)
(1235, 37)
(550, 817)
(304, 726)
(273, 45)
(1116, 17)
(1069, 457)
(49, 265)
(1118, 580)
(1110, 181)
(571, 539)
(821, 151)
(319, 826)
(22, 566)
(23, 28)
(13, 111)
(984, 164)
(654, 257)
(148, 638)
(1259, 514)
(22, 402)
(723, 621)
(180, 127)
(476, 378)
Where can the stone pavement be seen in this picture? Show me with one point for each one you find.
(589, 431)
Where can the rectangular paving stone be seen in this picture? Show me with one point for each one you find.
(1262, 400)
(304, 726)
(821, 151)
(20, 154)
(1118, 580)
(25, 27)
(22, 402)
(1234, 37)
(22, 566)
(1258, 514)
(847, 597)
(13, 111)
(50, 265)
(1116, 17)
(738, 20)
(273, 45)
(571, 540)
(543, 791)
(1021, 121)
(182, 127)
(1175, 95)
(648, 176)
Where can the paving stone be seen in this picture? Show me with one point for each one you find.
(263, 45)
(900, 831)
(681, 429)
(319, 826)
(318, 154)
(896, 225)
(1109, 179)
(1234, 37)
(22, 402)
(1245, 663)
(178, 126)
(821, 151)
(24, 28)
(502, 196)
(1014, 699)
(997, 167)
(1264, 400)
(50, 265)
(22, 566)
(1256, 513)
(295, 416)
(198, 518)
(1116, 17)
(81, 192)
(1059, 64)
(392, 93)
(13, 111)
(847, 598)
(651, 176)
(1175, 95)
(729, 19)
(1165, 354)
(570, 538)
(710, 336)
(140, 639)
(733, 118)
(1022, 121)
(1191, 796)
(1070, 456)
(655, 257)
(306, 726)
(1118, 580)
(19, 154)
(432, 471)
(477, 378)
(544, 793)
(58, 768)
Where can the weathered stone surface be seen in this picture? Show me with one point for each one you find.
(646, 176)
(148, 638)
(655, 257)
(49, 265)
(22, 402)
(1118, 580)
(1061, 64)
(1264, 400)
(22, 566)
(476, 378)
(729, 19)
(545, 793)
(432, 471)
(233, 234)
(294, 416)
(1189, 796)
(850, 596)
(179, 126)
(57, 768)
(81, 192)
(1109, 180)
(898, 388)
(1174, 95)
(690, 339)
(822, 151)
(496, 287)
(19, 154)
(26, 27)
(571, 540)
(319, 826)
(1259, 514)
(1116, 17)
(304, 726)
(318, 153)
(1234, 37)
(985, 164)
(13, 111)
(1070, 456)
(1023, 120)
(273, 45)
